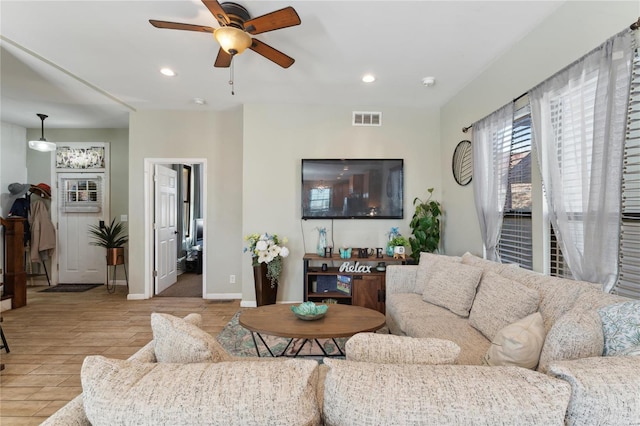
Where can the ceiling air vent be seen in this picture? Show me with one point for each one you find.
(363, 118)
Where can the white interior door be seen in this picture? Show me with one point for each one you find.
(81, 204)
(166, 227)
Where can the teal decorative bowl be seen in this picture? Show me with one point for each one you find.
(309, 311)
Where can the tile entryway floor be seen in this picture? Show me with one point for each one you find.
(50, 337)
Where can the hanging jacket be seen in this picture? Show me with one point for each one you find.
(43, 233)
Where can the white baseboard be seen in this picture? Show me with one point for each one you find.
(136, 296)
(223, 296)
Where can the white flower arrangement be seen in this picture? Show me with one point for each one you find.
(269, 249)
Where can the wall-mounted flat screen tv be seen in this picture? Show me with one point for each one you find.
(352, 189)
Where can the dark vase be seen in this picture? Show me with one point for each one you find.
(265, 295)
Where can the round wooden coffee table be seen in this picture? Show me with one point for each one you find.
(339, 321)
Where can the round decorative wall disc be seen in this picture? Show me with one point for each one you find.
(462, 163)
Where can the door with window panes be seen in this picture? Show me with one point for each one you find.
(81, 204)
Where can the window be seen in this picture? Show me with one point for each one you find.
(81, 195)
(573, 154)
(320, 199)
(515, 244)
(629, 257)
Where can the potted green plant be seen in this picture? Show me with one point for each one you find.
(396, 241)
(425, 226)
(113, 237)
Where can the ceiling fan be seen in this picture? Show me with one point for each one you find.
(236, 29)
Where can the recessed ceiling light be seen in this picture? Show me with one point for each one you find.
(168, 72)
(199, 101)
(368, 78)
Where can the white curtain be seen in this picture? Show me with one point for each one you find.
(491, 154)
(578, 128)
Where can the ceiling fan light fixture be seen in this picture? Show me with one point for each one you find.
(232, 40)
(42, 144)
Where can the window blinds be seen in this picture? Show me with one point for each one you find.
(515, 244)
(629, 259)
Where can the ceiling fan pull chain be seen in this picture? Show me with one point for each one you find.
(231, 77)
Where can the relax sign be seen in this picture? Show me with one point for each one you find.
(357, 268)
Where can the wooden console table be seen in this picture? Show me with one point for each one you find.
(367, 285)
(15, 277)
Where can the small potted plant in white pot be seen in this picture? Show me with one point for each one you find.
(113, 237)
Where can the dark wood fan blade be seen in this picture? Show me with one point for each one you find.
(271, 54)
(282, 18)
(217, 12)
(179, 26)
(223, 60)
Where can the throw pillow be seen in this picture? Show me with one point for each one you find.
(621, 326)
(390, 349)
(518, 344)
(178, 341)
(452, 287)
(425, 266)
(117, 392)
(501, 302)
(632, 351)
(577, 334)
(484, 264)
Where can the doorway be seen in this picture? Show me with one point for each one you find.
(175, 212)
(82, 203)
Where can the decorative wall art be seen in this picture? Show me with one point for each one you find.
(80, 158)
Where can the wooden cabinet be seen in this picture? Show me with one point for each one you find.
(15, 278)
(357, 283)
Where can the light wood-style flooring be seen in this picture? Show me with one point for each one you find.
(49, 338)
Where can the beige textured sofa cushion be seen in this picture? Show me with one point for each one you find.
(425, 267)
(362, 393)
(518, 344)
(604, 390)
(226, 393)
(390, 349)
(179, 341)
(416, 318)
(452, 286)
(501, 302)
(484, 264)
(577, 334)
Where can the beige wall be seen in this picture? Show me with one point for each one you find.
(253, 184)
(277, 137)
(216, 137)
(573, 30)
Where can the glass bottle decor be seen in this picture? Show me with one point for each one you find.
(322, 241)
(394, 232)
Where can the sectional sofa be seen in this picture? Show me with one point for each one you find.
(492, 345)
(505, 315)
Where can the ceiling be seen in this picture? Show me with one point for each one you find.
(87, 64)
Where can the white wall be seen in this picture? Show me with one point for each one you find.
(13, 154)
(573, 30)
(216, 137)
(13, 147)
(277, 137)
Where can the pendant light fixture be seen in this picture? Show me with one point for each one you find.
(42, 144)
